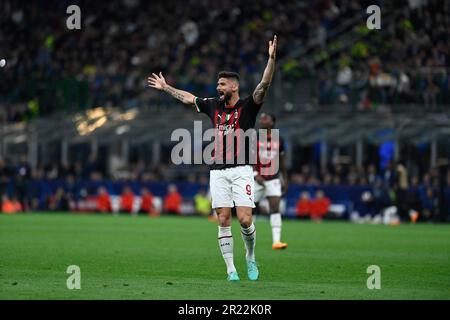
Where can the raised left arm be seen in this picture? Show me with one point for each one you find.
(261, 88)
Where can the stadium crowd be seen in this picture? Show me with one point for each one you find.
(51, 68)
(410, 63)
(388, 187)
(105, 63)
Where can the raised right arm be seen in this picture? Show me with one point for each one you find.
(159, 83)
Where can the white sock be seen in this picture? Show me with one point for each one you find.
(275, 222)
(249, 237)
(226, 247)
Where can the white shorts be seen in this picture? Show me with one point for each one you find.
(271, 188)
(232, 187)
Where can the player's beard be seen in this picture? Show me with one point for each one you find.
(227, 97)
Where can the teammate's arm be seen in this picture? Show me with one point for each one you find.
(261, 88)
(285, 182)
(159, 83)
(258, 178)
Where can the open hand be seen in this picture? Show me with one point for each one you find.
(157, 82)
(273, 47)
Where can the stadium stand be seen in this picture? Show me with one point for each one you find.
(352, 104)
(406, 62)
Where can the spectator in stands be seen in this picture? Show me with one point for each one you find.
(147, 203)
(202, 203)
(172, 201)
(59, 201)
(344, 78)
(21, 180)
(90, 168)
(339, 174)
(303, 209)
(389, 174)
(381, 196)
(320, 206)
(448, 178)
(368, 208)
(103, 200)
(327, 179)
(127, 200)
(401, 189)
(5, 174)
(110, 77)
(430, 92)
(427, 181)
(430, 204)
(403, 86)
(413, 199)
(372, 174)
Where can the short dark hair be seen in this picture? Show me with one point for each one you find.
(228, 74)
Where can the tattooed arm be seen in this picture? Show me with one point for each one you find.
(261, 88)
(159, 83)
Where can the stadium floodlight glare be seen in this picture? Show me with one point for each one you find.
(122, 129)
(20, 139)
(84, 128)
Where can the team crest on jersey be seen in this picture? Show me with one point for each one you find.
(228, 127)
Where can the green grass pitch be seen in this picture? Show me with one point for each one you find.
(178, 258)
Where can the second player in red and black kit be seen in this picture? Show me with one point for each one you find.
(271, 156)
(269, 151)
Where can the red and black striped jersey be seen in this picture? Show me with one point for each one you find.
(269, 150)
(226, 120)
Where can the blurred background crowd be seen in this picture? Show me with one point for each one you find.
(51, 68)
(83, 187)
(54, 154)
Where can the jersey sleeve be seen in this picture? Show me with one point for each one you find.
(253, 106)
(205, 105)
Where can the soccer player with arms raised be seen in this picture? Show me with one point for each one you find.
(232, 182)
